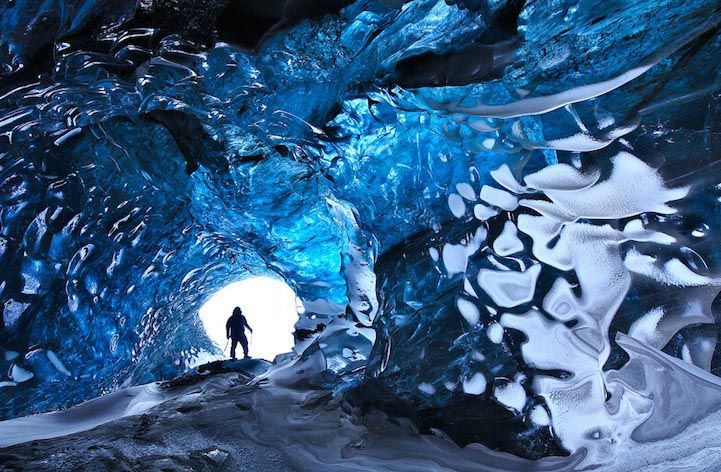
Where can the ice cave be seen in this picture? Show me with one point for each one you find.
(472, 234)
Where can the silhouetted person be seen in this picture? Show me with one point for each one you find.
(235, 329)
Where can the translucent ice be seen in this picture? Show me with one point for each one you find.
(500, 207)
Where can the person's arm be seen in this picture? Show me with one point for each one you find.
(227, 328)
(245, 322)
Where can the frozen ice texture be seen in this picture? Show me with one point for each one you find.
(502, 213)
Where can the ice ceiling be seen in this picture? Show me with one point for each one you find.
(500, 213)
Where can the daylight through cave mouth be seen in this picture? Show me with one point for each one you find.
(269, 305)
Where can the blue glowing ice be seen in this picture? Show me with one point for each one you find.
(500, 212)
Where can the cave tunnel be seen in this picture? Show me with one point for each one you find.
(471, 211)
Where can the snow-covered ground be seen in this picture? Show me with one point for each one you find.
(222, 422)
(226, 421)
(126, 402)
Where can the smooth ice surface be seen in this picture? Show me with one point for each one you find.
(507, 242)
(509, 288)
(510, 394)
(476, 385)
(495, 332)
(126, 402)
(469, 310)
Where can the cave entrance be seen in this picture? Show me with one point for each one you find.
(270, 306)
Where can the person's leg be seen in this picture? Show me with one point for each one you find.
(233, 343)
(244, 343)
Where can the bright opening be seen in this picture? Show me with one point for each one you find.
(268, 304)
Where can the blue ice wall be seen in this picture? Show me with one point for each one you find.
(491, 209)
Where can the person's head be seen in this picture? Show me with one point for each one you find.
(237, 311)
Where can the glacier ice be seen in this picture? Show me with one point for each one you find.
(499, 213)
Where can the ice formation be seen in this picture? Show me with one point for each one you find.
(500, 213)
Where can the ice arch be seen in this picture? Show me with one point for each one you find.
(270, 308)
(147, 166)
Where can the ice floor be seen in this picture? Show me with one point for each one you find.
(231, 421)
